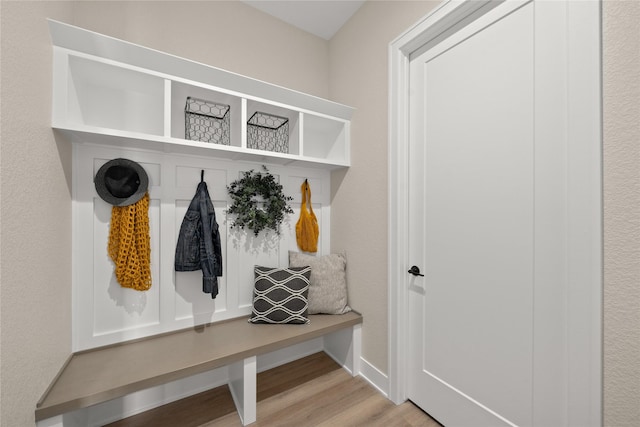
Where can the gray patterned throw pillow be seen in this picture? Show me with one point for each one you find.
(280, 295)
(328, 290)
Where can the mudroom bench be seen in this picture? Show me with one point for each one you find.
(98, 375)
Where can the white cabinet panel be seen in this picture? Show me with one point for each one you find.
(117, 309)
(115, 99)
(105, 313)
(132, 96)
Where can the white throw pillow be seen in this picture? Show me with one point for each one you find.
(328, 288)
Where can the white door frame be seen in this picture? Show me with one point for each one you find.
(583, 285)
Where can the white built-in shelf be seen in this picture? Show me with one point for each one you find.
(109, 91)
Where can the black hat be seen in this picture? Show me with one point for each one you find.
(121, 182)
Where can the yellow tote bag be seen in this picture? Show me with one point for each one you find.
(307, 227)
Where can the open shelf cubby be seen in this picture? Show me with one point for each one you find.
(109, 91)
(106, 96)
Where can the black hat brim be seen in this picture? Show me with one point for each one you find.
(106, 195)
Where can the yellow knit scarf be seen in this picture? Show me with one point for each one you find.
(129, 246)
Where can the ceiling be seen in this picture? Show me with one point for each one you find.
(320, 17)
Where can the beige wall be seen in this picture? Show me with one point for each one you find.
(35, 183)
(35, 189)
(621, 161)
(35, 292)
(225, 34)
(359, 77)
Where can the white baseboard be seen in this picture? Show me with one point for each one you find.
(339, 362)
(368, 372)
(374, 377)
(338, 346)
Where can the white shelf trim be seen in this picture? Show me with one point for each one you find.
(81, 56)
(102, 46)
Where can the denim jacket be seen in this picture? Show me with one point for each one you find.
(198, 246)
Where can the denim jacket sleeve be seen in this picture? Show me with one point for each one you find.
(188, 246)
(210, 253)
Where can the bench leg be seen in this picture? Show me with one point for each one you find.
(356, 345)
(242, 383)
(56, 421)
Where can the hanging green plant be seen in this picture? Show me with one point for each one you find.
(258, 202)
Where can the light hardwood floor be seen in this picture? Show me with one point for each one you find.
(313, 391)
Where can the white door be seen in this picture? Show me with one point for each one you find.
(488, 221)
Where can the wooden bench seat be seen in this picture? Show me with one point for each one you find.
(98, 375)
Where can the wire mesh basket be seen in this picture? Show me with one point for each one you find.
(207, 121)
(268, 132)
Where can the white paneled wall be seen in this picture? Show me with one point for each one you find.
(105, 313)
